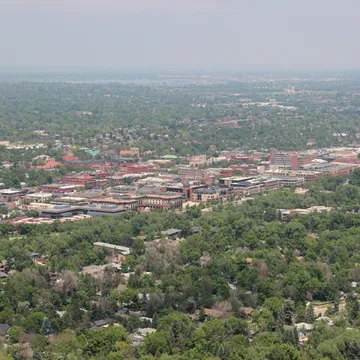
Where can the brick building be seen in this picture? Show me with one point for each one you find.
(290, 160)
(137, 169)
(57, 188)
(185, 189)
(204, 195)
(9, 195)
(79, 180)
(192, 172)
(308, 176)
(38, 197)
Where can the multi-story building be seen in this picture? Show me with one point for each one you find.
(121, 190)
(331, 169)
(38, 197)
(197, 160)
(162, 202)
(102, 174)
(79, 180)
(228, 181)
(88, 163)
(290, 160)
(290, 181)
(304, 159)
(287, 160)
(308, 176)
(8, 195)
(246, 169)
(192, 172)
(136, 169)
(269, 183)
(204, 195)
(38, 206)
(227, 172)
(128, 204)
(186, 189)
(312, 172)
(67, 211)
(71, 200)
(57, 188)
(250, 185)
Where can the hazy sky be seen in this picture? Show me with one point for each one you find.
(151, 33)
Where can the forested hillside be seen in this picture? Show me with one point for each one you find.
(232, 287)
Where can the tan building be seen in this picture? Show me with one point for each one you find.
(71, 200)
(309, 176)
(197, 160)
(127, 204)
(38, 197)
(162, 202)
(39, 206)
(191, 172)
(310, 210)
(204, 195)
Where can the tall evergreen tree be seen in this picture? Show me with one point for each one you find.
(310, 314)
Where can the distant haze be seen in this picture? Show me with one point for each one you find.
(180, 33)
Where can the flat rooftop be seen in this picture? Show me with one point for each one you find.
(113, 201)
(10, 191)
(71, 199)
(123, 249)
(59, 209)
(39, 195)
(238, 178)
(152, 196)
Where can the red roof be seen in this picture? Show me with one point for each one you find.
(49, 165)
(70, 158)
(52, 164)
(126, 152)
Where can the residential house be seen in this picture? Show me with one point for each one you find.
(171, 233)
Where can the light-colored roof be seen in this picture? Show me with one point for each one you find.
(146, 331)
(10, 191)
(40, 195)
(71, 198)
(171, 232)
(304, 326)
(154, 196)
(123, 249)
